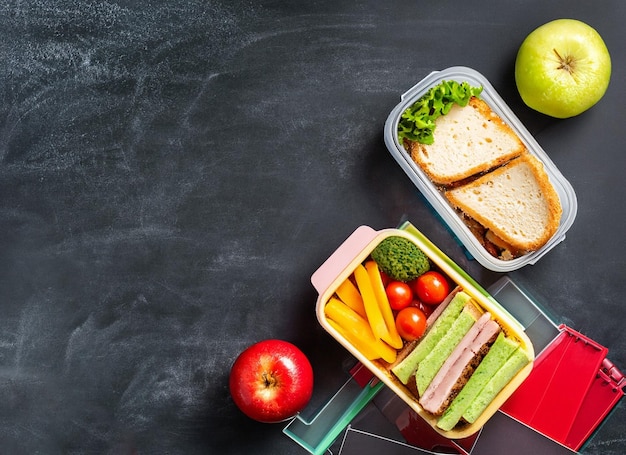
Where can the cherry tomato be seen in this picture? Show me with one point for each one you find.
(431, 287)
(399, 295)
(411, 323)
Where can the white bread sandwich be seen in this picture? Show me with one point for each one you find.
(512, 210)
(467, 141)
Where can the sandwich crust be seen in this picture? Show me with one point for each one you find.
(516, 204)
(467, 141)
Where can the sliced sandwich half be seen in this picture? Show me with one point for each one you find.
(514, 209)
(467, 141)
(459, 366)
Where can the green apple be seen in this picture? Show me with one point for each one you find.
(562, 68)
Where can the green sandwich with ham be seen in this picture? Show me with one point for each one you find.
(462, 362)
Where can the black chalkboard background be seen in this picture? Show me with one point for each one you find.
(171, 174)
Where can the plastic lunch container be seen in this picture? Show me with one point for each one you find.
(436, 198)
(355, 250)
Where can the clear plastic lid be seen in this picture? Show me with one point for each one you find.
(436, 198)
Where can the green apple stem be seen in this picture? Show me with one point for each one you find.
(566, 63)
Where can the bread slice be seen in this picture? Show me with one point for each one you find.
(518, 360)
(467, 141)
(516, 204)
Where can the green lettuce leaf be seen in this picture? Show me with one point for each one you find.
(417, 123)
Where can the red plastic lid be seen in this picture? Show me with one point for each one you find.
(566, 395)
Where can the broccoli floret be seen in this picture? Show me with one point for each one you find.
(400, 258)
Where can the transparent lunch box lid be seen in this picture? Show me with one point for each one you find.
(436, 199)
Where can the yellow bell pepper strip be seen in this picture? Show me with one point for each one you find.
(357, 331)
(361, 345)
(373, 271)
(374, 316)
(349, 294)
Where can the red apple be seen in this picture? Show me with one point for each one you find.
(271, 381)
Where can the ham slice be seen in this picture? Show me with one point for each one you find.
(442, 306)
(459, 366)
